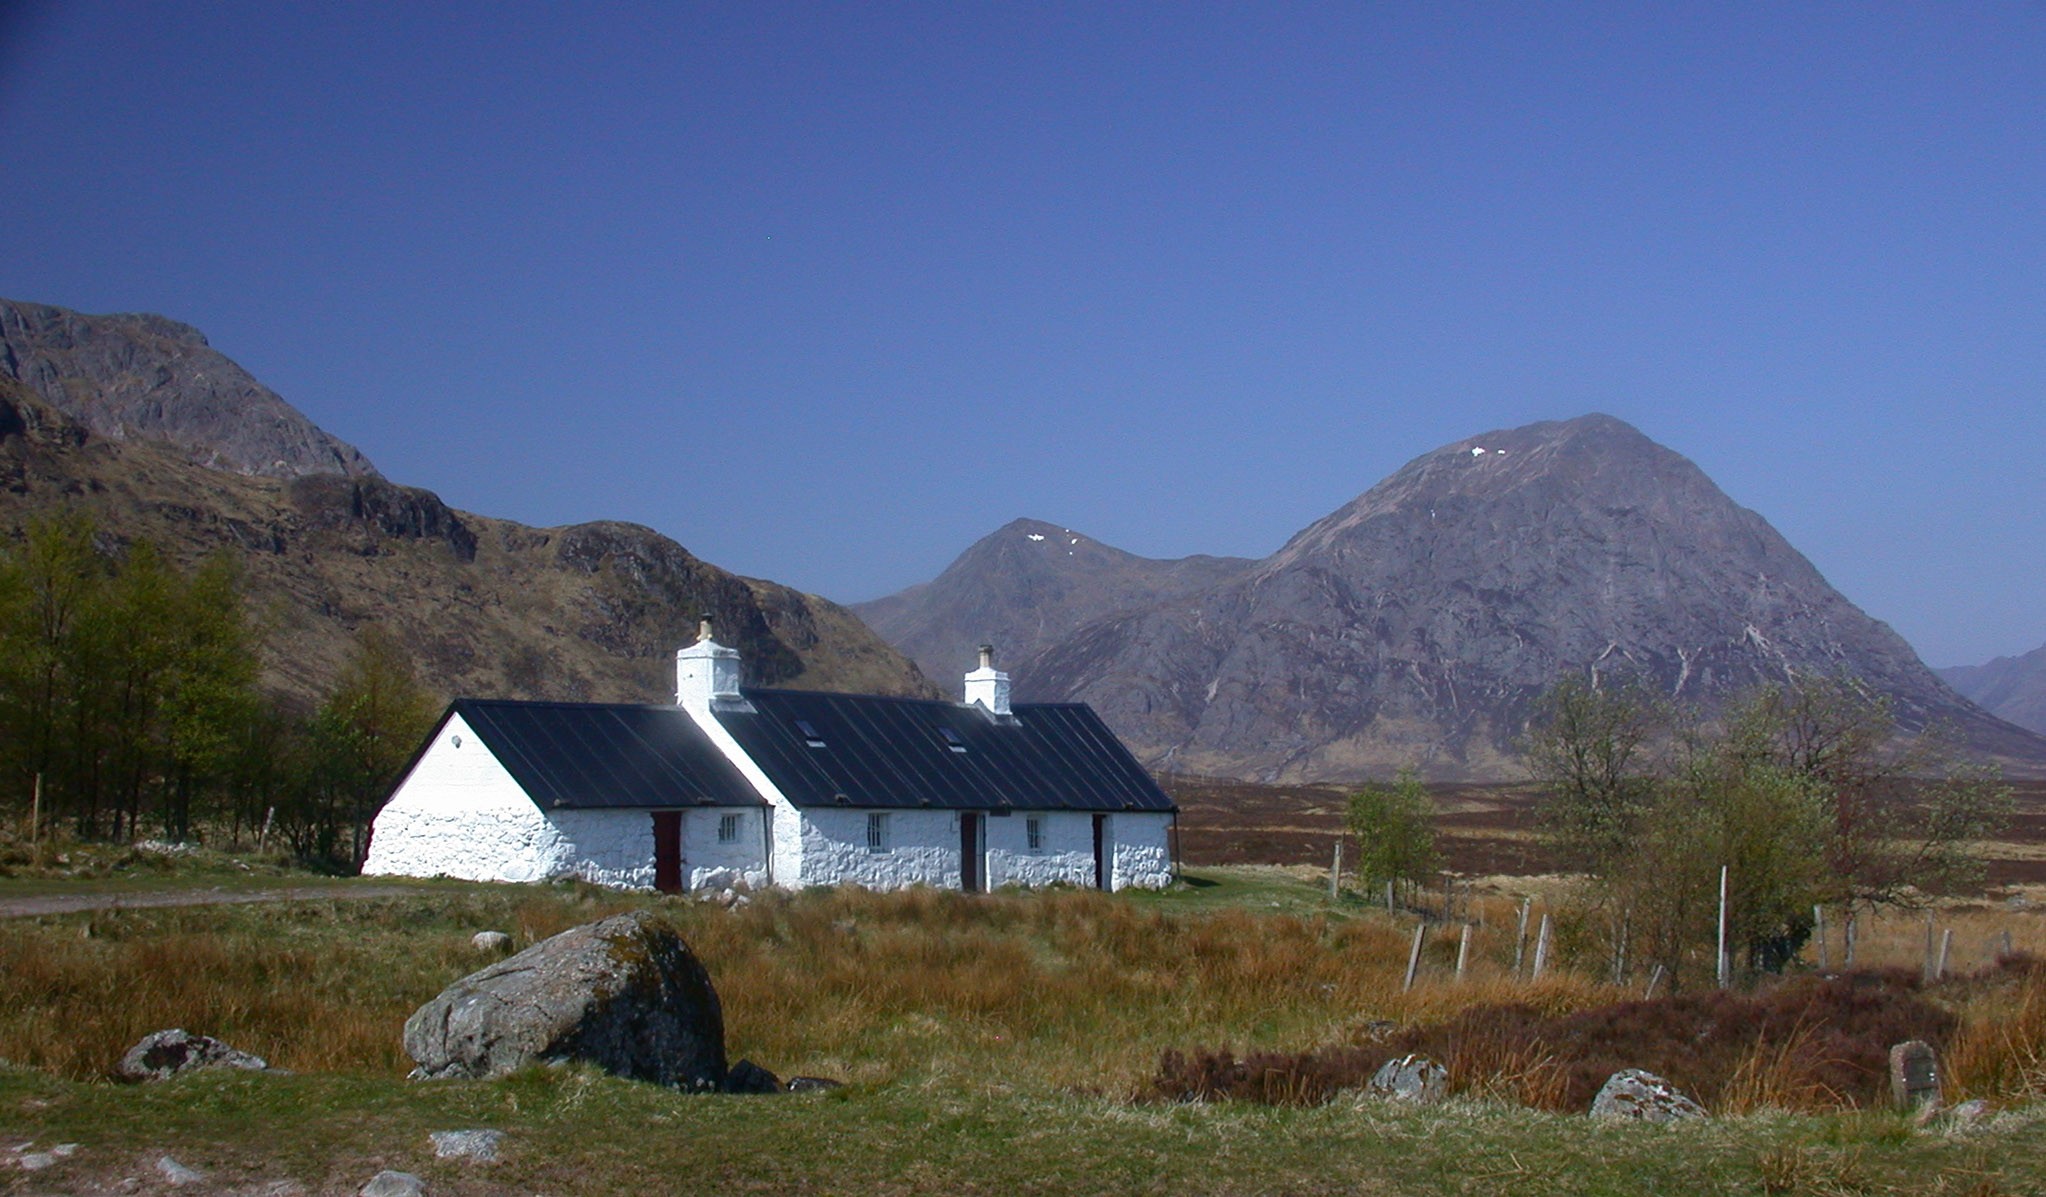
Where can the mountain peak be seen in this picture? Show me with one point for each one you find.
(139, 376)
(1416, 624)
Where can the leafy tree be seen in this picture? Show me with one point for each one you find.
(1587, 748)
(1395, 833)
(1802, 792)
(123, 679)
(359, 740)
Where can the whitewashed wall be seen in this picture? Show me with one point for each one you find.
(707, 864)
(459, 814)
(1066, 856)
(923, 849)
(1143, 849)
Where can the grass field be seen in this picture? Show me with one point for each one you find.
(994, 1045)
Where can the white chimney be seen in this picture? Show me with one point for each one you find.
(987, 685)
(706, 671)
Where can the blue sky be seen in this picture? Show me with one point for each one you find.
(826, 292)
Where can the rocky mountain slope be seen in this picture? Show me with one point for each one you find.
(486, 606)
(2012, 688)
(1416, 624)
(142, 377)
(1024, 587)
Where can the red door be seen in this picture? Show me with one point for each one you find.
(668, 851)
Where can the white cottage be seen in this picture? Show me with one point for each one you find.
(778, 787)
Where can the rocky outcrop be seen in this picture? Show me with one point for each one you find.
(625, 994)
(130, 377)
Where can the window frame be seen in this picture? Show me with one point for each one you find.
(877, 832)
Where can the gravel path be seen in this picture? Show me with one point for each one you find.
(70, 903)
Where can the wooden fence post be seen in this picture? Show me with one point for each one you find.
(1414, 956)
(1335, 874)
(1930, 948)
(1463, 951)
(35, 812)
(1520, 937)
(1541, 959)
(1725, 965)
(1946, 943)
(1819, 929)
(1654, 979)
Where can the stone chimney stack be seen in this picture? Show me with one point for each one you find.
(987, 685)
(706, 671)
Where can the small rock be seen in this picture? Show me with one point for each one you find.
(1638, 1095)
(177, 1173)
(64, 1151)
(1378, 1030)
(727, 898)
(813, 1084)
(748, 1077)
(35, 1161)
(393, 1184)
(478, 1145)
(1967, 1114)
(1415, 1079)
(165, 1054)
(491, 941)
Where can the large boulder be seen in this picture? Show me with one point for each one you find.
(625, 994)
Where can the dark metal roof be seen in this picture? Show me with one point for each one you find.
(606, 755)
(892, 752)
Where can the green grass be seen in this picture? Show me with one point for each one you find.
(571, 1131)
(993, 1045)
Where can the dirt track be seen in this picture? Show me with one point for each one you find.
(72, 903)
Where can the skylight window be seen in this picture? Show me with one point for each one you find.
(811, 736)
(952, 740)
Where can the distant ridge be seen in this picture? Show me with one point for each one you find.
(328, 547)
(140, 376)
(2012, 688)
(1416, 624)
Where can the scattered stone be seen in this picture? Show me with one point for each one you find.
(1414, 1079)
(491, 941)
(177, 1173)
(748, 1077)
(393, 1184)
(478, 1145)
(165, 1054)
(728, 898)
(1914, 1075)
(35, 1161)
(1378, 1030)
(1967, 1114)
(1638, 1095)
(625, 994)
(813, 1084)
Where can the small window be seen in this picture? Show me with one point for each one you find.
(811, 736)
(952, 740)
(728, 828)
(877, 833)
(1033, 833)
